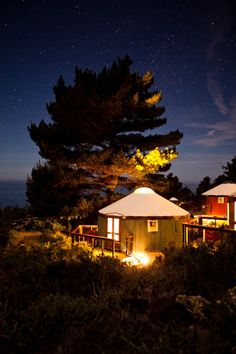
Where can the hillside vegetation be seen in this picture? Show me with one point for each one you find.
(59, 298)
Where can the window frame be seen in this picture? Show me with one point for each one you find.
(154, 227)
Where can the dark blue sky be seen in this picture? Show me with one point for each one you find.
(189, 45)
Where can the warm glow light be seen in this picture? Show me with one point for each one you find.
(113, 227)
(154, 159)
(116, 226)
(142, 258)
(137, 258)
(213, 222)
(154, 98)
(109, 225)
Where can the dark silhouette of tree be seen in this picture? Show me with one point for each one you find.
(218, 180)
(49, 190)
(230, 170)
(104, 129)
(229, 174)
(204, 186)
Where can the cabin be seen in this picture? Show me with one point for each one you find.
(220, 205)
(218, 223)
(143, 221)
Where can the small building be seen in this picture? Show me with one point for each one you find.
(174, 199)
(143, 221)
(221, 205)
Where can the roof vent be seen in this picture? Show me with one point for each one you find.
(144, 190)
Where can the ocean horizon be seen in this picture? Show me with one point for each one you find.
(12, 194)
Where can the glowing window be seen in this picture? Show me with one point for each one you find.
(152, 225)
(221, 200)
(113, 228)
(116, 226)
(109, 225)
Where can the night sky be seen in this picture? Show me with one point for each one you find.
(189, 45)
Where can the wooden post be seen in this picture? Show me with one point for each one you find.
(183, 234)
(103, 242)
(186, 235)
(113, 247)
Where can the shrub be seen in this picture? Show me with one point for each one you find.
(57, 298)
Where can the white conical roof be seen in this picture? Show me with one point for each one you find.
(144, 202)
(224, 189)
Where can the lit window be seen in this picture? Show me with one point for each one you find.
(221, 200)
(113, 228)
(152, 225)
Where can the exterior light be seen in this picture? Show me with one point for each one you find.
(137, 259)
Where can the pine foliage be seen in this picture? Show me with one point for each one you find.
(100, 125)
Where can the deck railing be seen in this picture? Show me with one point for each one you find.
(89, 233)
(104, 243)
(96, 241)
(195, 233)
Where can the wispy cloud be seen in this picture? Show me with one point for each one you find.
(232, 112)
(200, 159)
(215, 43)
(224, 131)
(218, 134)
(215, 91)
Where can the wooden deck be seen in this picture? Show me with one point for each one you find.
(105, 246)
(98, 241)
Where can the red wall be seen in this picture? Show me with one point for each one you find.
(218, 209)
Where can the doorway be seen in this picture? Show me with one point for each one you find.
(113, 228)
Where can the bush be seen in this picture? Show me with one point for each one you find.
(58, 298)
(46, 321)
(202, 271)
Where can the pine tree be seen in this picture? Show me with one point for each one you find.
(203, 186)
(230, 170)
(229, 174)
(104, 127)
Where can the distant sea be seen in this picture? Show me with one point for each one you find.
(12, 194)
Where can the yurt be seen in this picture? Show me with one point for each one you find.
(143, 221)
